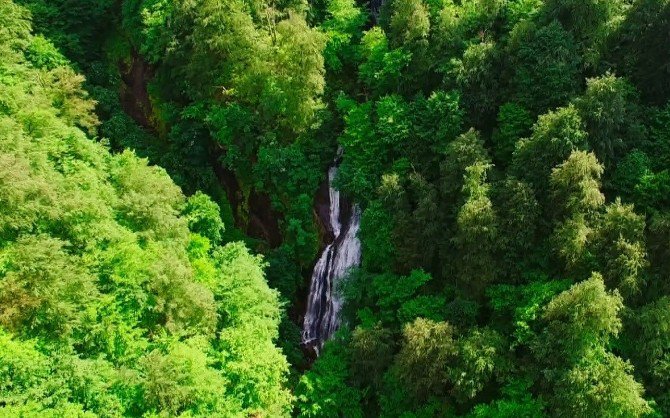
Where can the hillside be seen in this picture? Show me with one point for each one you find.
(335, 208)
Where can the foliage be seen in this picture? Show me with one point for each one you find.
(510, 160)
(117, 298)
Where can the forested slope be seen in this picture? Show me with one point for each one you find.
(511, 159)
(117, 295)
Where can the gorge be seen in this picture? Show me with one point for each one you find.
(338, 257)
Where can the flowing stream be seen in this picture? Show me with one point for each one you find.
(323, 304)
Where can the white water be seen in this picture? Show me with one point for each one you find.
(323, 304)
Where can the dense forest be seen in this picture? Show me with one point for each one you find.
(164, 174)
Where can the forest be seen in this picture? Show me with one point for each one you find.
(176, 175)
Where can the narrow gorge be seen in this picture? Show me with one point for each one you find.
(336, 260)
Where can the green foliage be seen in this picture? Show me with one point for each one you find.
(480, 354)
(473, 74)
(646, 343)
(590, 22)
(545, 64)
(343, 27)
(523, 304)
(467, 150)
(392, 293)
(121, 293)
(410, 21)
(426, 350)
(381, 67)
(579, 319)
(659, 132)
(514, 123)
(576, 183)
(554, 136)
(611, 116)
(45, 291)
(635, 48)
(371, 353)
(517, 212)
(204, 217)
(116, 297)
(600, 385)
(578, 326)
(375, 233)
(477, 230)
(323, 391)
(179, 379)
(517, 402)
(621, 248)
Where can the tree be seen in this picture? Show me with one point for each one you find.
(477, 232)
(391, 292)
(514, 123)
(371, 354)
(545, 62)
(579, 319)
(589, 380)
(480, 357)
(466, 150)
(576, 184)
(300, 71)
(323, 391)
(381, 67)
(645, 341)
(410, 22)
(576, 199)
(517, 402)
(615, 394)
(634, 48)
(590, 22)
(249, 316)
(518, 212)
(475, 75)
(180, 380)
(427, 348)
(343, 28)
(554, 136)
(45, 292)
(112, 282)
(611, 116)
(204, 217)
(620, 248)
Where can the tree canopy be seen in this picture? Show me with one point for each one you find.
(164, 199)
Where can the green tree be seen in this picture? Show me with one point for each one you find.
(476, 233)
(576, 184)
(579, 324)
(517, 212)
(476, 76)
(466, 150)
(426, 350)
(514, 123)
(45, 292)
(611, 116)
(645, 341)
(577, 320)
(204, 217)
(620, 248)
(545, 66)
(381, 67)
(323, 391)
(410, 22)
(554, 136)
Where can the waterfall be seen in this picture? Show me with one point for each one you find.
(323, 305)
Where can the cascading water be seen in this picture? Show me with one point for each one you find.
(323, 305)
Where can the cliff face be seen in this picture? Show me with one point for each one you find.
(254, 214)
(133, 93)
